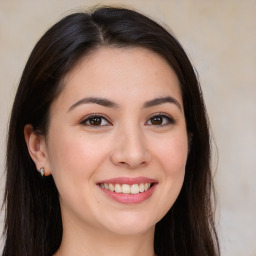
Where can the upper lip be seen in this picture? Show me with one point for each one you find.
(128, 180)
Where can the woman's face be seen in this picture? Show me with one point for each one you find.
(117, 142)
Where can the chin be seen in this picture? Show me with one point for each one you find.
(131, 224)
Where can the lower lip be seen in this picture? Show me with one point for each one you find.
(129, 198)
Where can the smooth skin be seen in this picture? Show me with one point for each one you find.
(120, 114)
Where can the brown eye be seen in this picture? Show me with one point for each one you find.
(156, 120)
(95, 121)
(160, 120)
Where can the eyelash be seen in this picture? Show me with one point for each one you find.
(162, 116)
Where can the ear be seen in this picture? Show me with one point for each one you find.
(37, 149)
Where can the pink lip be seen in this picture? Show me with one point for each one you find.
(129, 198)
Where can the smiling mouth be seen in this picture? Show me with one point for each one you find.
(126, 188)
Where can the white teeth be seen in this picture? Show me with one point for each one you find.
(125, 188)
(111, 187)
(118, 188)
(142, 188)
(135, 189)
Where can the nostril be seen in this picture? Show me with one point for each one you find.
(130, 156)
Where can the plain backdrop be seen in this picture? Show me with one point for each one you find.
(220, 39)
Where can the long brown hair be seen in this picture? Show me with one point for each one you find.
(33, 220)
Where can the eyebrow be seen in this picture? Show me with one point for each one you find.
(162, 100)
(107, 103)
(99, 101)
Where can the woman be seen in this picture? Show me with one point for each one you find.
(109, 148)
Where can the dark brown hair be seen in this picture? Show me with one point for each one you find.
(33, 220)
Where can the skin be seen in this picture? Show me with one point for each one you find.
(126, 142)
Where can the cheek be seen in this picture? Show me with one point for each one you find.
(74, 160)
(172, 154)
(74, 157)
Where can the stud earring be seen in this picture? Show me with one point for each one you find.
(41, 170)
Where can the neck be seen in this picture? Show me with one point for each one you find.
(88, 241)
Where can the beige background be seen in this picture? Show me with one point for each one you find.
(220, 38)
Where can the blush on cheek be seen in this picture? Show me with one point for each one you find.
(173, 154)
(80, 156)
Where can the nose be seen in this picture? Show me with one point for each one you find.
(130, 150)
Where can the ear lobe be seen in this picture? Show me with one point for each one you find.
(36, 148)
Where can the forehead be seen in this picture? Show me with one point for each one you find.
(121, 72)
